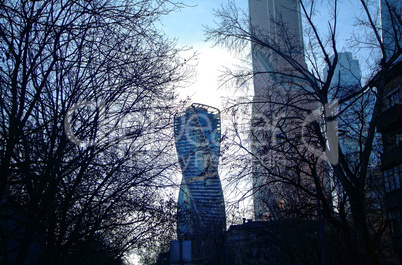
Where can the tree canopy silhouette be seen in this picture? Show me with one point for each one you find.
(86, 93)
(313, 136)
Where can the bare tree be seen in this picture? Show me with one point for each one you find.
(318, 151)
(87, 92)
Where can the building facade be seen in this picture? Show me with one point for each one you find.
(278, 25)
(345, 81)
(390, 120)
(347, 74)
(201, 209)
(272, 243)
(390, 126)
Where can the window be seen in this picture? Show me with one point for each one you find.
(397, 139)
(200, 160)
(393, 178)
(395, 220)
(394, 98)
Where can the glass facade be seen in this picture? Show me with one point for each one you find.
(268, 19)
(201, 210)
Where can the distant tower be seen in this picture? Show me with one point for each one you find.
(279, 24)
(347, 73)
(201, 209)
(346, 81)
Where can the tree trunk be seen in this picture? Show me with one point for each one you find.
(359, 218)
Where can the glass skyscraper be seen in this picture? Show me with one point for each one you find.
(268, 19)
(201, 210)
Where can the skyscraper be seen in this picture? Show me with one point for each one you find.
(278, 24)
(345, 81)
(347, 73)
(201, 210)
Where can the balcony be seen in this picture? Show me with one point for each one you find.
(390, 119)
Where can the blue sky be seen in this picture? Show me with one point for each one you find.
(186, 25)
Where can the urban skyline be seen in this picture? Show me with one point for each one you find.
(103, 159)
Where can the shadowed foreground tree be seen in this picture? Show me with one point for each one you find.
(317, 147)
(86, 93)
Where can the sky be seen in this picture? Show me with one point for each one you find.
(186, 25)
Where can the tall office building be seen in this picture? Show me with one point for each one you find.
(346, 75)
(201, 209)
(345, 81)
(278, 24)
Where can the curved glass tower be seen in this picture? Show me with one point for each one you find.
(201, 210)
